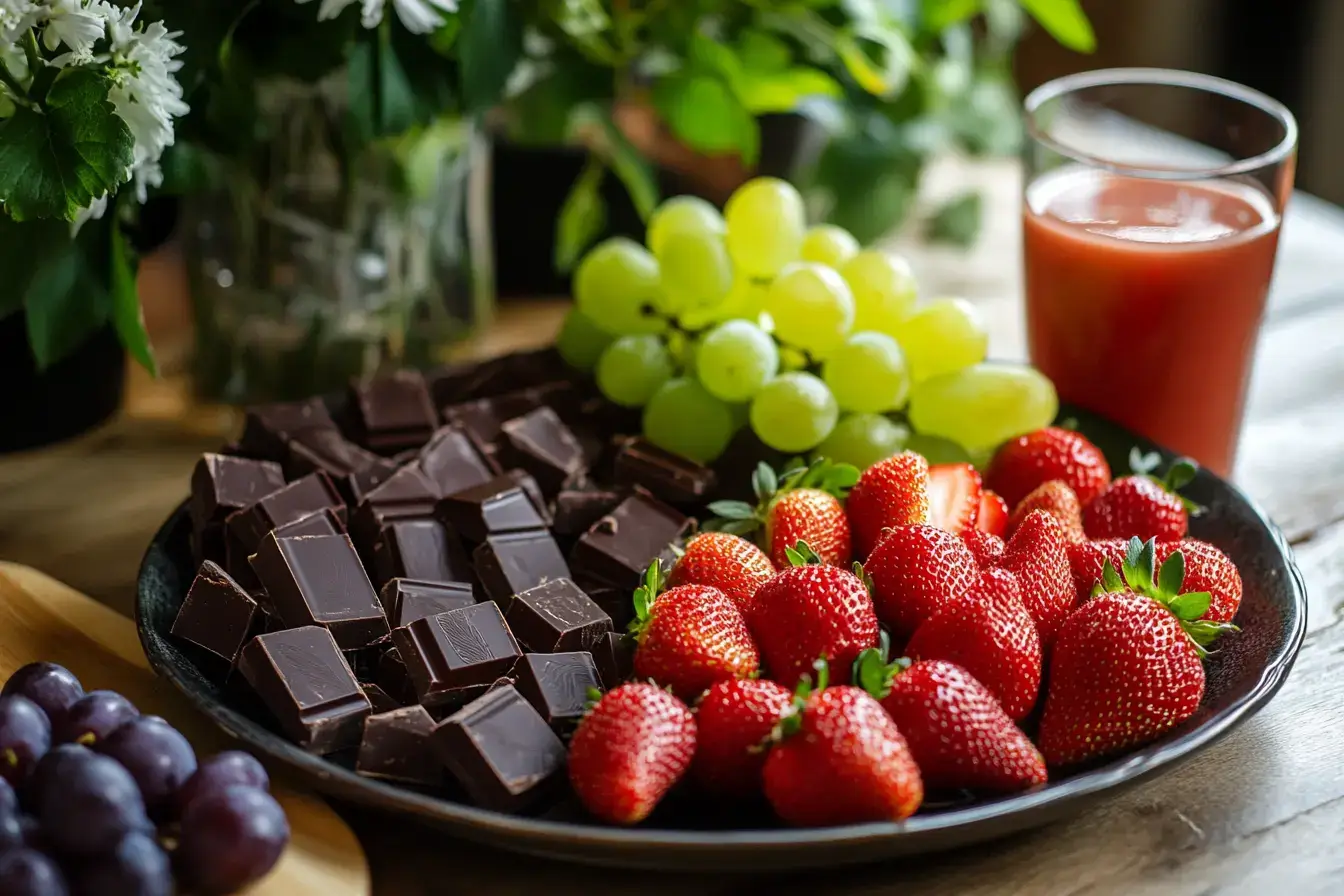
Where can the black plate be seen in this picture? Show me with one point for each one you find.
(1243, 675)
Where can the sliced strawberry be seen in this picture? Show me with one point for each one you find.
(954, 497)
(993, 516)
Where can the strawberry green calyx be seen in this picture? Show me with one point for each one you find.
(741, 518)
(792, 721)
(1137, 575)
(801, 554)
(862, 575)
(873, 673)
(644, 597)
(1179, 475)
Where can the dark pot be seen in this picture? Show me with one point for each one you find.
(72, 396)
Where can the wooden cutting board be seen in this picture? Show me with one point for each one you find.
(41, 619)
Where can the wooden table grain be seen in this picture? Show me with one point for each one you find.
(1261, 812)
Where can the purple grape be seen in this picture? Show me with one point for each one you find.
(33, 838)
(89, 805)
(230, 838)
(50, 686)
(25, 737)
(137, 867)
(11, 832)
(232, 767)
(158, 757)
(50, 765)
(26, 872)
(91, 718)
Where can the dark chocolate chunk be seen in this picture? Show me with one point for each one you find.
(324, 522)
(394, 411)
(238, 565)
(622, 544)
(556, 617)
(390, 675)
(491, 508)
(577, 509)
(508, 564)
(208, 542)
(540, 443)
(221, 485)
(318, 580)
(557, 684)
(408, 494)
(407, 600)
(501, 751)
(419, 549)
(359, 484)
(456, 650)
(524, 480)
(267, 429)
(216, 614)
(295, 501)
(396, 747)
(350, 467)
(452, 463)
(379, 699)
(614, 655)
(669, 477)
(301, 677)
(483, 418)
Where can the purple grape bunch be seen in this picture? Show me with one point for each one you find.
(88, 787)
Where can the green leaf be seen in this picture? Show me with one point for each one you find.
(883, 72)
(127, 315)
(958, 221)
(1171, 575)
(396, 106)
(1139, 565)
(1181, 474)
(764, 92)
(489, 47)
(67, 298)
(801, 554)
(705, 114)
(937, 15)
(761, 51)
(1190, 607)
(739, 527)
(764, 482)
(872, 674)
(57, 161)
(1066, 22)
(1141, 463)
(444, 38)
(632, 168)
(862, 575)
(582, 217)
(795, 558)
(732, 510)
(24, 249)
(1110, 579)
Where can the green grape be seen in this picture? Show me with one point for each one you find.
(884, 290)
(617, 287)
(682, 214)
(696, 271)
(863, 440)
(633, 368)
(735, 360)
(794, 412)
(580, 341)
(867, 374)
(936, 450)
(829, 245)
(811, 308)
(983, 405)
(683, 418)
(765, 220)
(943, 337)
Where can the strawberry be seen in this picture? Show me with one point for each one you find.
(1023, 464)
(1208, 569)
(733, 723)
(916, 571)
(727, 562)
(954, 497)
(840, 760)
(1143, 506)
(803, 504)
(993, 515)
(628, 751)
(811, 611)
(1037, 556)
(1127, 664)
(892, 492)
(987, 548)
(690, 637)
(959, 735)
(1057, 499)
(989, 633)
(1087, 558)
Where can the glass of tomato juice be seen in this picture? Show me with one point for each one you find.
(1151, 213)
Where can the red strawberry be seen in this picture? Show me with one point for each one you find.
(733, 722)
(727, 562)
(916, 571)
(1026, 462)
(987, 548)
(801, 505)
(1142, 506)
(892, 492)
(1208, 569)
(957, 732)
(993, 515)
(811, 611)
(1036, 554)
(1087, 558)
(1127, 664)
(841, 760)
(954, 497)
(989, 633)
(629, 750)
(690, 637)
(1057, 499)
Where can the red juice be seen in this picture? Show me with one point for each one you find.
(1144, 298)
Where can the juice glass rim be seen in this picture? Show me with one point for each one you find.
(1162, 77)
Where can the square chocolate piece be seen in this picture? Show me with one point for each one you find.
(267, 429)
(318, 580)
(614, 655)
(576, 510)
(324, 522)
(419, 549)
(509, 564)
(556, 617)
(221, 485)
(394, 411)
(453, 651)
(557, 685)
(395, 747)
(390, 675)
(494, 507)
(407, 494)
(501, 751)
(407, 600)
(379, 699)
(540, 443)
(301, 677)
(217, 615)
(452, 462)
(669, 477)
(359, 484)
(295, 501)
(482, 419)
(622, 544)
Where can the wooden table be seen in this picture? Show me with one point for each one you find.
(1260, 812)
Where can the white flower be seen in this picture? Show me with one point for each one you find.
(97, 208)
(70, 23)
(330, 9)
(17, 16)
(419, 16)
